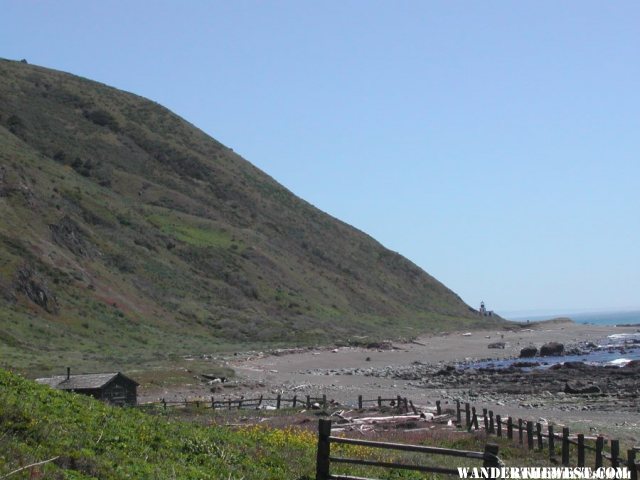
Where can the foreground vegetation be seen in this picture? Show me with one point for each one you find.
(90, 440)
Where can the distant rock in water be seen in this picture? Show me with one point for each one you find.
(528, 352)
(525, 364)
(551, 349)
(635, 364)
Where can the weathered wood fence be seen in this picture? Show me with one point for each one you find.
(399, 402)
(236, 404)
(402, 404)
(535, 435)
(324, 459)
(539, 436)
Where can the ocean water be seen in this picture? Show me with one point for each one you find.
(617, 349)
(607, 318)
(595, 318)
(611, 355)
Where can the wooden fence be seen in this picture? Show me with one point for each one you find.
(534, 435)
(539, 437)
(236, 404)
(402, 404)
(324, 459)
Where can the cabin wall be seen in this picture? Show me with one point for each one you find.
(120, 392)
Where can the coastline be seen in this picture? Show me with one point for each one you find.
(343, 373)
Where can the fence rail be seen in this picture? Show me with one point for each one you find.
(533, 435)
(324, 459)
(536, 437)
(236, 404)
(398, 402)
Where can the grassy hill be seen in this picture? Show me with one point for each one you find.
(90, 440)
(128, 235)
(86, 439)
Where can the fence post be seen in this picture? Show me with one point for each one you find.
(260, 401)
(324, 401)
(164, 404)
(213, 403)
(631, 464)
(458, 413)
(581, 450)
(520, 432)
(278, 400)
(552, 444)
(406, 405)
(539, 435)
(438, 407)
(229, 403)
(565, 446)
(308, 401)
(491, 424)
(530, 434)
(379, 401)
(615, 453)
(599, 448)
(475, 419)
(399, 403)
(510, 428)
(467, 415)
(491, 456)
(239, 404)
(359, 402)
(413, 407)
(499, 425)
(295, 399)
(324, 449)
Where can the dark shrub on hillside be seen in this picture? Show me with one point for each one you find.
(82, 167)
(60, 156)
(102, 118)
(122, 263)
(15, 124)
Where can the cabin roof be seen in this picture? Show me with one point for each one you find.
(85, 381)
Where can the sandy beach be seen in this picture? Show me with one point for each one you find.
(440, 348)
(310, 373)
(344, 373)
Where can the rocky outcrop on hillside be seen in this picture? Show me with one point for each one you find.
(30, 283)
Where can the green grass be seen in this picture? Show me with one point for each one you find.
(94, 441)
(191, 249)
(199, 234)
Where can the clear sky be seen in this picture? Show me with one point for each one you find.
(496, 144)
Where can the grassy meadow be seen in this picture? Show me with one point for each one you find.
(91, 440)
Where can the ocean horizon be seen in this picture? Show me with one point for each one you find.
(595, 318)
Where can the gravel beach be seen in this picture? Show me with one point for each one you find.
(427, 369)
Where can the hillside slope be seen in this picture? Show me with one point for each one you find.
(128, 234)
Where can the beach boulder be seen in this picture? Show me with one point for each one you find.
(633, 364)
(525, 364)
(496, 345)
(551, 349)
(580, 389)
(528, 352)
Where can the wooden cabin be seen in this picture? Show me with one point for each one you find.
(114, 388)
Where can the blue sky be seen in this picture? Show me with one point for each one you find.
(494, 143)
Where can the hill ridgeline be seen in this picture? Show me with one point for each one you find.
(128, 234)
